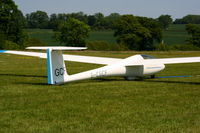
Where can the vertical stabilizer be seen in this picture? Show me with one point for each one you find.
(55, 67)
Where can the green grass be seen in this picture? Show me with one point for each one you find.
(108, 105)
(176, 34)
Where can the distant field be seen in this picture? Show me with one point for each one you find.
(107, 105)
(45, 36)
(102, 35)
(176, 34)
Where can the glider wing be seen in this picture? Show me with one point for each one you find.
(66, 57)
(174, 60)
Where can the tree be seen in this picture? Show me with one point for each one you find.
(110, 20)
(153, 26)
(11, 25)
(99, 20)
(165, 21)
(73, 32)
(80, 16)
(194, 30)
(91, 20)
(136, 35)
(38, 19)
(53, 21)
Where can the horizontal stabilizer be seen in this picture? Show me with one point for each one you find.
(57, 48)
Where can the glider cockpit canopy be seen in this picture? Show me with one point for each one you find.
(147, 56)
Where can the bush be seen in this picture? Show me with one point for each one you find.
(185, 47)
(72, 33)
(98, 45)
(162, 47)
(105, 46)
(9, 45)
(2, 40)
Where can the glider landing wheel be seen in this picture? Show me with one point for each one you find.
(152, 76)
(134, 78)
(130, 78)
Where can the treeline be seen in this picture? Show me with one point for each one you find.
(189, 19)
(97, 21)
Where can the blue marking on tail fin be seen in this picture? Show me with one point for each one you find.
(3, 51)
(49, 67)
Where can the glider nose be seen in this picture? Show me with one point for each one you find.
(152, 69)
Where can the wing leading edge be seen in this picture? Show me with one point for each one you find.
(174, 60)
(91, 59)
(76, 58)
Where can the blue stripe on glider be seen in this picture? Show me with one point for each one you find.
(185, 76)
(49, 66)
(3, 51)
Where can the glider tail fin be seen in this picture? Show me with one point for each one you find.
(57, 73)
(55, 67)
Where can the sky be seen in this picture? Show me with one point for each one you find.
(146, 8)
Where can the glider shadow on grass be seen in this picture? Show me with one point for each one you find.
(157, 80)
(26, 76)
(114, 79)
(174, 82)
(23, 75)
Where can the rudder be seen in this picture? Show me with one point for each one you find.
(55, 67)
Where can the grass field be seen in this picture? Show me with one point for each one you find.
(108, 105)
(176, 34)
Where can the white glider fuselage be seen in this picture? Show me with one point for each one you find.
(130, 68)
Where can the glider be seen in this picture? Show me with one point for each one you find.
(131, 68)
